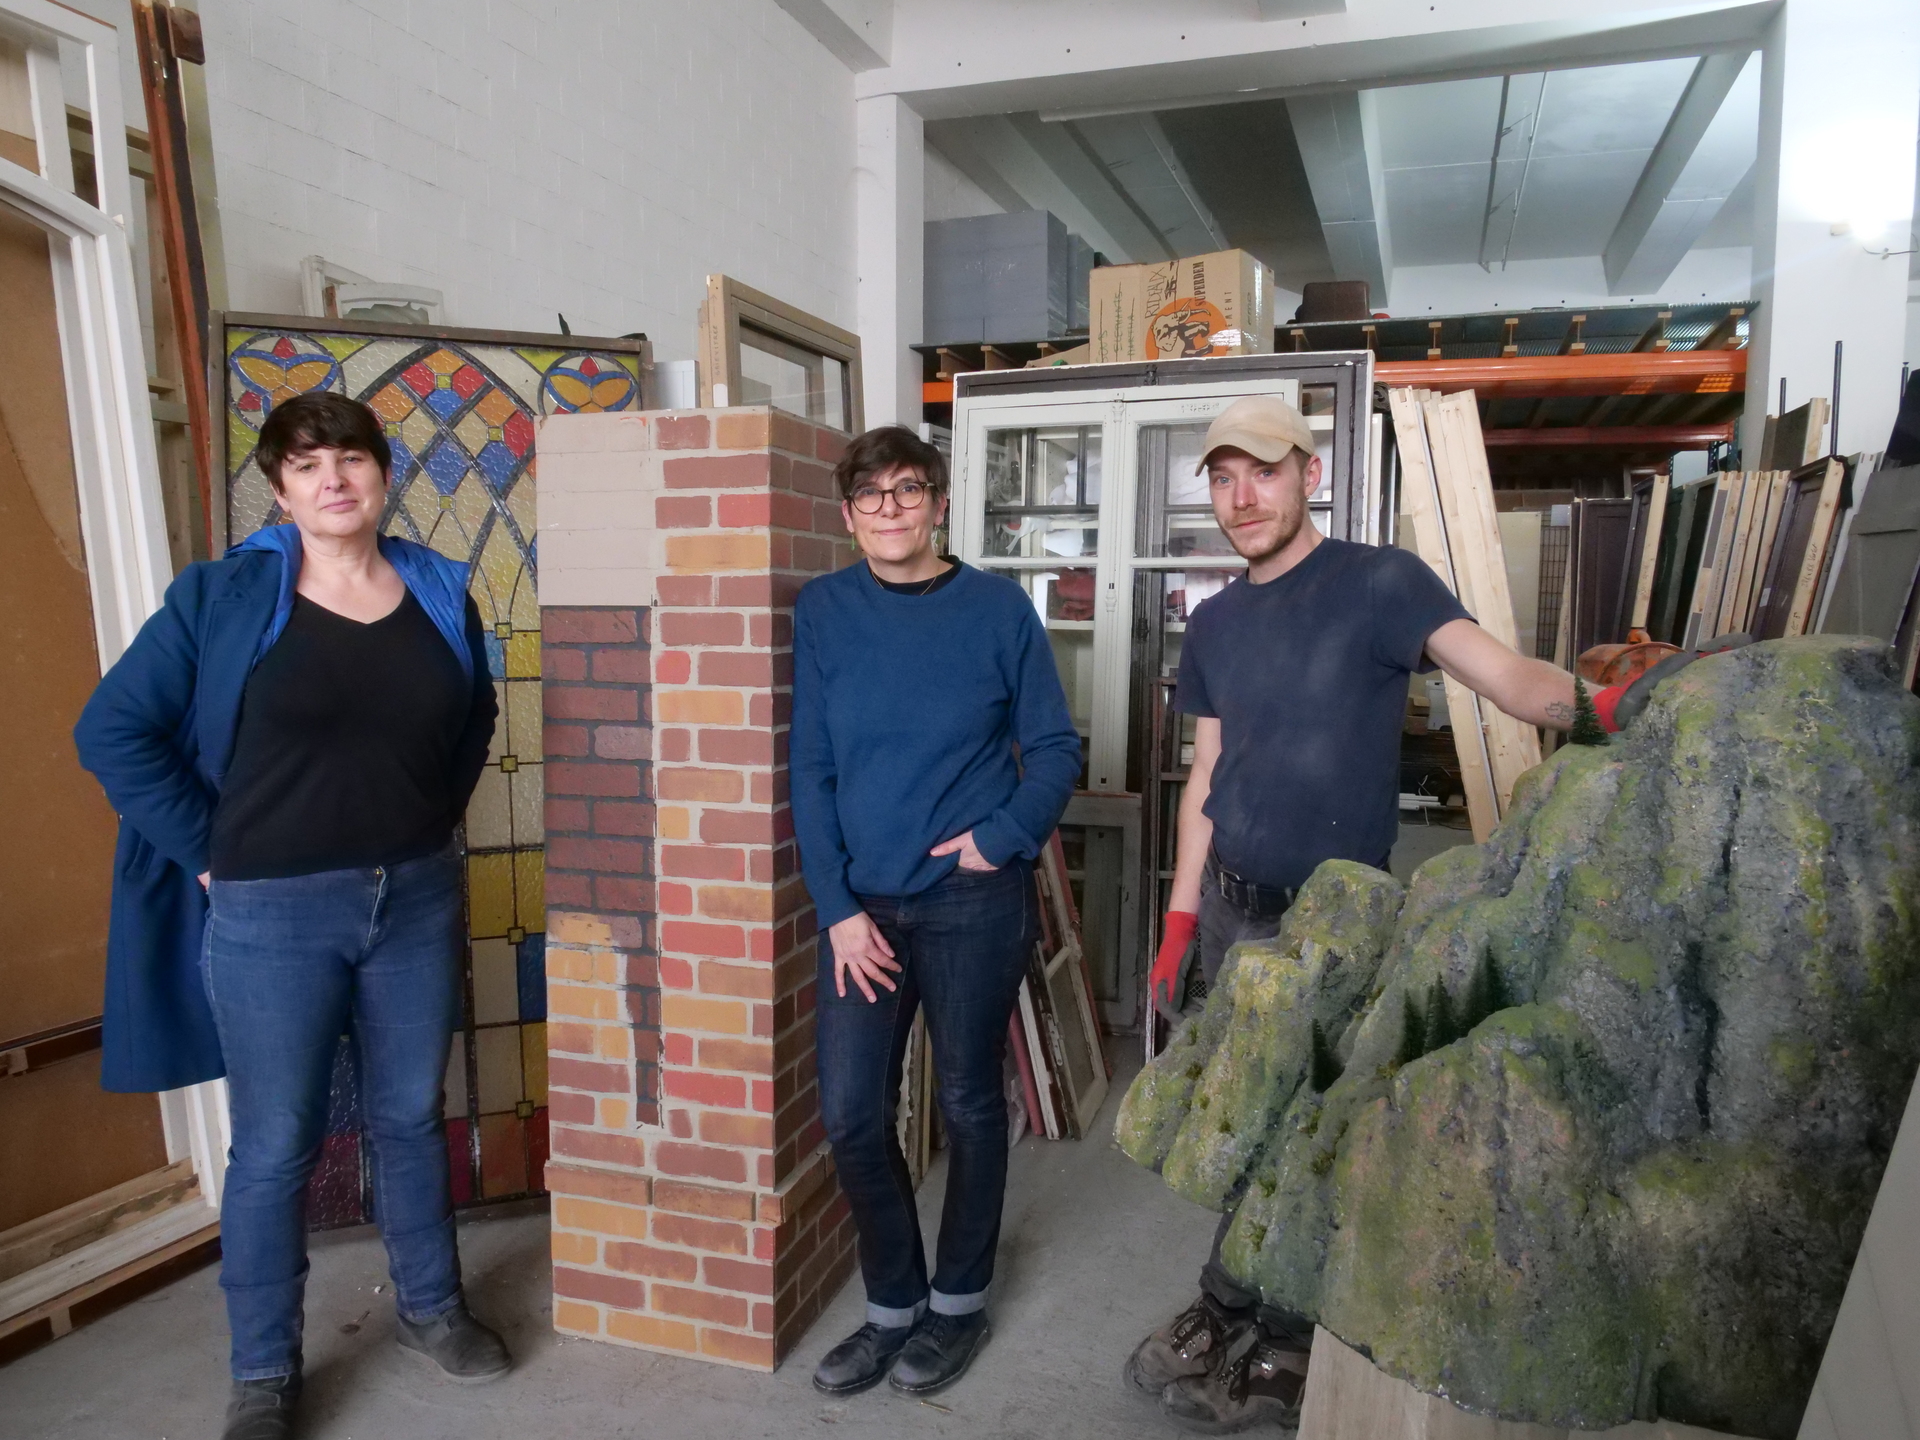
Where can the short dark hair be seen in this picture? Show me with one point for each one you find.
(320, 419)
(888, 448)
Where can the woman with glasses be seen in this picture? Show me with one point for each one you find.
(932, 758)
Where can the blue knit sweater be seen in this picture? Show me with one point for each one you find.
(906, 712)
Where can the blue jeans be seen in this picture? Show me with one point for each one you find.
(963, 947)
(291, 965)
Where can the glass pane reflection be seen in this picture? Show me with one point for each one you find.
(1043, 492)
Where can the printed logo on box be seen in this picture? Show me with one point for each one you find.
(1184, 328)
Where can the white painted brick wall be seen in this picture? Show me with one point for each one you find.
(527, 158)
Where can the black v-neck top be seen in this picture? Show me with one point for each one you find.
(921, 587)
(348, 750)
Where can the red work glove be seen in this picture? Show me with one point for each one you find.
(1179, 929)
(1604, 703)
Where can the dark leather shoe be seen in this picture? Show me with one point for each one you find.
(262, 1409)
(1258, 1381)
(1189, 1345)
(462, 1348)
(939, 1352)
(860, 1361)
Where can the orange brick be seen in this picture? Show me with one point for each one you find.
(724, 1237)
(565, 964)
(700, 1305)
(652, 1332)
(736, 902)
(720, 942)
(684, 1198)
(746, 430)
(572, 1318)
(752, 1350)
(719, 1127)
(749, 982)
(749, 1057)
(705, 554)
(652, 1260)
(688, 782)
(574, 1249)
(565, 1179)
(616, 1113)
(674, 822)
(691, 1012)
(580, 1001)
(599, 1218)
(612, 1042)
(700, 707)
(568, 927)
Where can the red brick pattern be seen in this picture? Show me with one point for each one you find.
(694, 1205)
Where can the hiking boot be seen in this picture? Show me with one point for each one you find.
(862, 1360)
(1188, 1345)
(462, 1348)
(262, 1409)
(1259, 1381)
(940, 1351)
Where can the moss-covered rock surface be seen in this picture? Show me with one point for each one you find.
(1585, 1126)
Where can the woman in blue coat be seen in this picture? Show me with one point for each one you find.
(290, 743)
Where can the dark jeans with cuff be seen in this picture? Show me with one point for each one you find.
(1224, 924)
(290, 966)
(963, 947)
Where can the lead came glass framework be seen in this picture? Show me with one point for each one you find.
(458, 409)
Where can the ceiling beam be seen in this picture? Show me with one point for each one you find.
(1139, 158)
(859, 33)
(998, 154)
(1068, 154)
(1675, 198)
(1340, 148)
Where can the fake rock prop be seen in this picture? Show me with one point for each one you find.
(1588, 1129)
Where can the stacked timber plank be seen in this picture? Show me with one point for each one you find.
(1447, 493)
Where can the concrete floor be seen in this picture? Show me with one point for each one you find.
(1094, 1253)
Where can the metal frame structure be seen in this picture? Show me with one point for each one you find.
(1127, 403)
(122, 516)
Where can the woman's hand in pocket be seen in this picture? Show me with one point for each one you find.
(205, 878)
(969, 853)
(860, 950)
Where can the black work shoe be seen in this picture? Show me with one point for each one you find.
(940, 1351)
(1190, 1344)
(1259, 1381)
(462, 1348)
(862, 1360)
(262, 1409)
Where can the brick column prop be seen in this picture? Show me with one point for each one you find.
(694, 1205)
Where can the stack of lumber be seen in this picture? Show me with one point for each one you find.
(1447, 493)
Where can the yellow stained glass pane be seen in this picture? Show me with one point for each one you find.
(501, 560)
(539, 359)
(240, 439)
(522, 504)
(530, 889)
(443, 362)
(526, 602)
(523, 655)
(472, 431)
(503, 1155)
(490, 894)
(496, 1051)
(489, 816)
(393, 404)
(456, 1081)
(423, 506)
(533, 1060)
(496, 982)
(237, 338)
(501, 744)
(523, 719)
(526, 788)
(419, 432)
(341, 346)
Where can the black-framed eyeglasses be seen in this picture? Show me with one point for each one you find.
(908, 495)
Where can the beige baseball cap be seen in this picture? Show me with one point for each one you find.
(1264, 426)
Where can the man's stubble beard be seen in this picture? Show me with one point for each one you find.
(1290, 518)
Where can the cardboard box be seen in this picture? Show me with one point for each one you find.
(1218, 304)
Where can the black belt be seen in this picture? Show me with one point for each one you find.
(1259, 902)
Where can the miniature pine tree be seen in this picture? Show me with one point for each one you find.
(1441, 1029)
(1413, 1033)
(1323, 1067)
(1587, 729)
(1486, 993)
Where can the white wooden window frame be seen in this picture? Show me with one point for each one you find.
(122, 520)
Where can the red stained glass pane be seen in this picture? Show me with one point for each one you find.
(249, 400)
(517, 433)
(588, 368)
(466, 380)
(283, 347)
(419, 379)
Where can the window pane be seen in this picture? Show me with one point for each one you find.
(802, 382)
(1043, 492)
(1064, 599)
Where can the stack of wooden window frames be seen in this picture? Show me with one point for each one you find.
(459, 410)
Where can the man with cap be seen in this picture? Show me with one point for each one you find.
(1296, 674)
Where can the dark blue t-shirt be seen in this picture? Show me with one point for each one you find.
(1307, 675)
